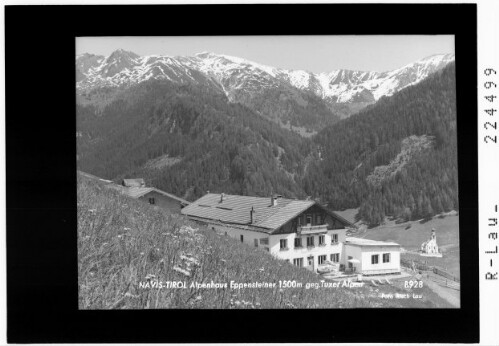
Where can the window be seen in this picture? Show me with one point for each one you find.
(335, 257)
(309, 219)
(334, 238)
(298, 262)
(299, 220)
(322, 240)
(297, 242)
(310, 241)
(322, 259)
(151, 200)
(284, 244)
(256, 242)
(374, 259)
(242, 238)
(318, 219)
(310, 260)
(264, 241)
(386, 257)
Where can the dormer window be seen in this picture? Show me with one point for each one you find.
(309, 219)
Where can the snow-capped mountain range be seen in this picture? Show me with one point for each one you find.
(241, 79)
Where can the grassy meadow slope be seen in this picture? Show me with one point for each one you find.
(122, 242)
(411, 234)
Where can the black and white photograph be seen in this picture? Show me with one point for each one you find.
(267, 172)
(188, 172)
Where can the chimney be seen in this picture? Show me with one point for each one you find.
(222, 197)
(273, 200)
(252, 211)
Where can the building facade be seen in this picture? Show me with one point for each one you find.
(303, 233)
(371, 257)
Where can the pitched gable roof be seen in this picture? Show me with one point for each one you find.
(137, 192)
(91, 176)
(236, 209)
(368, 242)
(141, 191)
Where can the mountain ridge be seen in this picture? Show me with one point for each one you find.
(343, 91)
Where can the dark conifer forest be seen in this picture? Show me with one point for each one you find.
(352, 148)
(207, 143)
(219, 146)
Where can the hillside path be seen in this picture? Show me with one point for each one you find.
(449, 294)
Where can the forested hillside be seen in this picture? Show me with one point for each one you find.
(412, 182)
(206, 142)
(397, 157)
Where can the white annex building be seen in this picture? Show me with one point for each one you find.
(302, 232)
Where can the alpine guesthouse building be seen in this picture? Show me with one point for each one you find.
(300, 231)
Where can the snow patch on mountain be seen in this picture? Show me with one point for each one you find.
(236, 75)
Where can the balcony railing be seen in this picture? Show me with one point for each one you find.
(312, 229)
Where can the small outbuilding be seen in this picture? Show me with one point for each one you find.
(136, 188)
(157, 197)
(138, 182)
(371, 257)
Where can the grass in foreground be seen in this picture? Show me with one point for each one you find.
(123, 242)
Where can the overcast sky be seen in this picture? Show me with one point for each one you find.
(311, 53)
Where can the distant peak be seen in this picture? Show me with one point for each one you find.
(121, 52)
(205, 54)
(87, 55)
(439, 55)
(224, 56)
